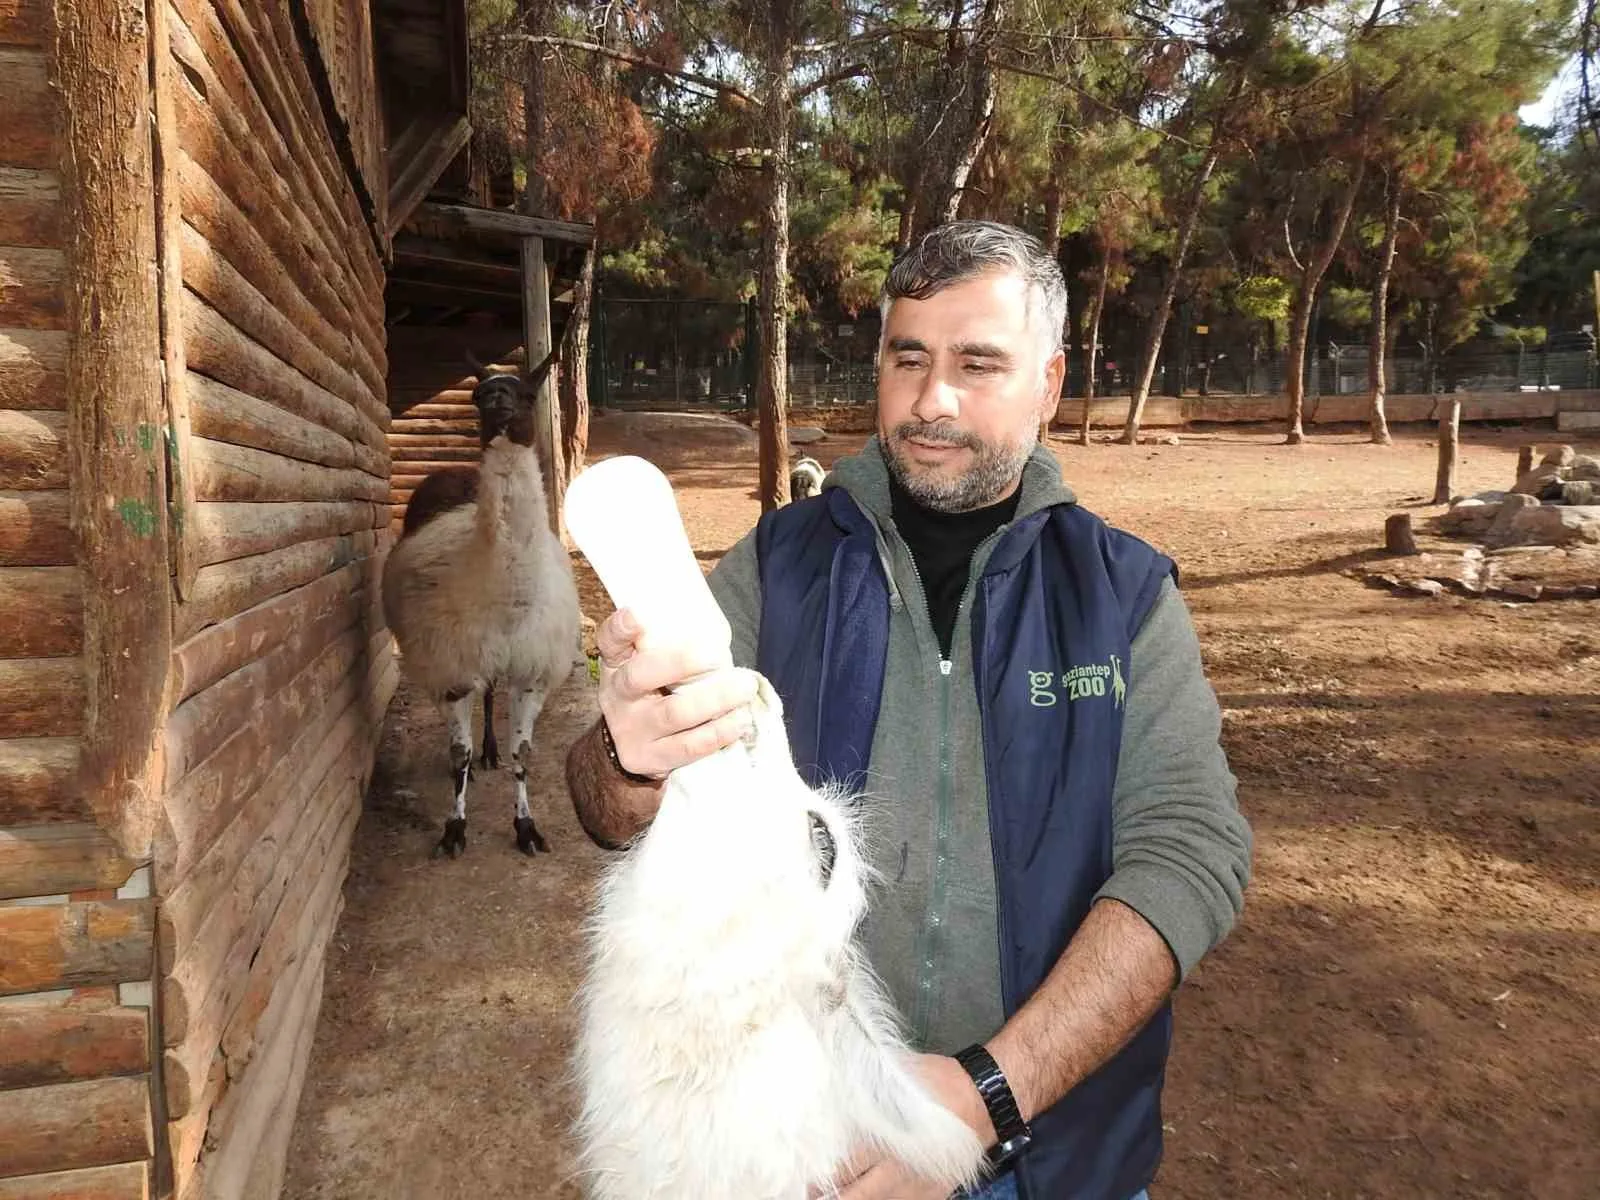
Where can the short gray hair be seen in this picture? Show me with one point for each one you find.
(962, 250)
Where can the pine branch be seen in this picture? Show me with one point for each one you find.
(638, 60)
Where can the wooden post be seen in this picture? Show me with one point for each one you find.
(536, 345)
(1397, 535)
(1525, 457)
(1449, 451)
(116, 420)
(164, 74)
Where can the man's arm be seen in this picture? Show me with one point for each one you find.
(612, 809)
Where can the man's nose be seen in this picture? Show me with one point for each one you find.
(936, 400)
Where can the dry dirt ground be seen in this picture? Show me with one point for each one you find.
(1407, 1010)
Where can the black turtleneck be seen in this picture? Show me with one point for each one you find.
(942, 545)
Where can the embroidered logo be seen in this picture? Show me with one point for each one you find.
(1039, 693)
(1087, 682)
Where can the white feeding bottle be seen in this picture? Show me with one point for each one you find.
(624, 517)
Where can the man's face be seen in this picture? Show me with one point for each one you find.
(963, 382)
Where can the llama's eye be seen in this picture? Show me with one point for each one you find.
(822, 841)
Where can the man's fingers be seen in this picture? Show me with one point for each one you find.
(650, 671)
(615, 638)
(706, 699)
(707, 739)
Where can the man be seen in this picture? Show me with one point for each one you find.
(1019, 689)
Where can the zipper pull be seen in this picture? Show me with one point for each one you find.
(945, 666)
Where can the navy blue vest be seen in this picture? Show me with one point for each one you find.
(1061, 590)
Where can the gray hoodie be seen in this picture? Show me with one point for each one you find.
(1181, 848)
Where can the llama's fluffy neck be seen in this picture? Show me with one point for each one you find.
(511, 497)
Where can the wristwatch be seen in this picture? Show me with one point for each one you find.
(1013, 1134)
(616, 763)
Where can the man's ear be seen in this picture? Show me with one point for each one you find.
(1055, 371)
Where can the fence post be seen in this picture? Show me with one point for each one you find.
(752, 353)
(599, 383)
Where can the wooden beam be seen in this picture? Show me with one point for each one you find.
(22, 22)
(536, 337)
(27, 135)
(94, 1123)
(49, 1043)
(32, 453)
(30, 205)
(41, 697)
(116, 413)
(33, 369)
(124, 1181)
(39, 781)
(52, 860)
(468, 219)
(81, 944)
(417, 168)
(45, 607)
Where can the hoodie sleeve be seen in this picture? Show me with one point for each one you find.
(736, 583)
(1181, 848)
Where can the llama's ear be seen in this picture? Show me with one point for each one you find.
(537, 377)
(481, 370)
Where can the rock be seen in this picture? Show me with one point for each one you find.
(1469, 518)
(1525, 589)
(1397, 535)
(1536, 480)
(1426, 587)
(1486, 497)
(1558, 456)
(1580, 492)
(804, 435)
(1549, 525)
(1500, 529)
(1584, 467)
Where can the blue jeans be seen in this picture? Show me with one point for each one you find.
(1005, 1188)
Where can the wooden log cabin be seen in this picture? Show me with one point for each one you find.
(198, 208)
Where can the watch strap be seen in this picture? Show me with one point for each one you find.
(1011, 1131)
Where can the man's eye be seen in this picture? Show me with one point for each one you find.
(908, 364)
(982, 368)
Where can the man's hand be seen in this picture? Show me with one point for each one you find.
(869, 1176)
(657, 731)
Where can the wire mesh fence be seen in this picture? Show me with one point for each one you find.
(701, 355)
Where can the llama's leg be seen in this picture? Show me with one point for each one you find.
(525, 705)
(455, 828)
(491, 748)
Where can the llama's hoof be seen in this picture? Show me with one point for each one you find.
(454, 841)
(529, 839)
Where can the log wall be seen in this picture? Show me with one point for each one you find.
(76, 920)
(281, 668)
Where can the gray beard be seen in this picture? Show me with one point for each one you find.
(997, 466)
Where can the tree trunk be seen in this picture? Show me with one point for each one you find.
(1377, 354)
(772, 386)
(1305, 296)
(1052, 244)
(575, 371)
(1158, 321)
(1449, 445)
(535, 196)
(962, 125)
(1091, 355)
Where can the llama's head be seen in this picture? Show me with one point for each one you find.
(805, 479)
(744, 895)
(505, 403)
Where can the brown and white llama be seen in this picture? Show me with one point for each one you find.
(479, 594)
